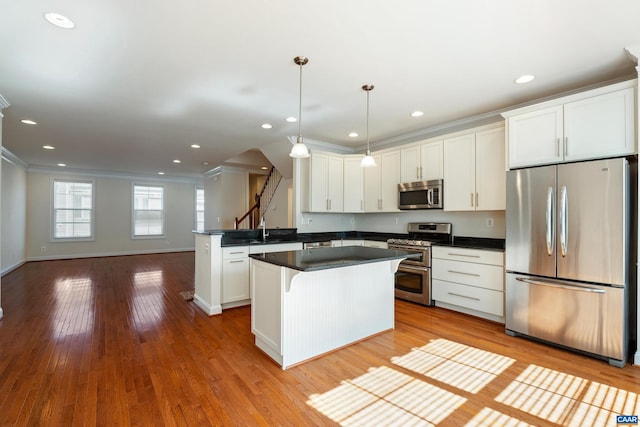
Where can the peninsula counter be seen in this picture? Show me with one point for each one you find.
(309, 302)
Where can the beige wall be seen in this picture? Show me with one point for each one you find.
(225, 198)
(112, 218)
(14, 213)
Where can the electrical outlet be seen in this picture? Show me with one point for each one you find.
(308, 220)
(43, 249)
(489, 222)
(396, 219)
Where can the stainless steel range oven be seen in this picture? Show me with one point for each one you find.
(413, 278)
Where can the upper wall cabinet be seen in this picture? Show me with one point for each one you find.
(593, 124)
(322, 175)
(353, 184)
(421, 162)
(474, 176)
(381, 183)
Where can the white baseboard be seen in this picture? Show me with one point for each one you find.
(636, 359)
(106, 254)
(209, 309)
(13, 267)
(1, 313)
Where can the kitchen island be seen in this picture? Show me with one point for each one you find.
(309, 302)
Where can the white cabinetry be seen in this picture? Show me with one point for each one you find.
(469, 280)
(353, 184)
(235, 274)
(422, 162)
(381, 183)
(474, 176)
(235, 289)
(593, 124)
(324, 189)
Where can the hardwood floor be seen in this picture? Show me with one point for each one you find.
(109, 341)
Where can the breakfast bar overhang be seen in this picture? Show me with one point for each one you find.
(309, 302)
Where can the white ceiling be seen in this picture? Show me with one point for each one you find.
(135, 83)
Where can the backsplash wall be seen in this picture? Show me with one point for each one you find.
(472, 224)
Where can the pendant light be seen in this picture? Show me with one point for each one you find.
(299, 150)
(368, 161)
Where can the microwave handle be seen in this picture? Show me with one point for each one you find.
(430, 196)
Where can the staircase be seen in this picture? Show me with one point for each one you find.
(251, 219)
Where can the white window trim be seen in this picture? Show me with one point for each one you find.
(52, 218)
(195, 206)
(133, 212)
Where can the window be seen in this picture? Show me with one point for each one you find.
(148, 211)
(72, 209)
(199, 209)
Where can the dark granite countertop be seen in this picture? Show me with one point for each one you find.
(290, 235)
(325, 258)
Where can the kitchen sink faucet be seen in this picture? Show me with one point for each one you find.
(264, 229)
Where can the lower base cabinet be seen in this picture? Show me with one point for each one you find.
(469, 280)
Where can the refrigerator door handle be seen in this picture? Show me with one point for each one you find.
(549, 222)
(568, 287)
(564, 227)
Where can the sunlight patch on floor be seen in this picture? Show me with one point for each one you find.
(384, 396)
(458, 365)
(488, 417)
(567, 400)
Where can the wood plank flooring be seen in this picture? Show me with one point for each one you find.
(109, 341)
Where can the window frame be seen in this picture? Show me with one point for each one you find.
(135, 236)
(195, 207)
(53, 222)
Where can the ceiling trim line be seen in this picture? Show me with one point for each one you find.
(13, 159)
(113, 175)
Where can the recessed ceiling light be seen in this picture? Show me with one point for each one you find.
(353, 134)
(62, 165)
(160, 173)
(48, 147)
(266, 126)
(195, 146)
(417, 114)
(177, 161)
(59, 20)
(291, 119)
(526, 78)
(205, 163)
(28, 122)
(264, 168)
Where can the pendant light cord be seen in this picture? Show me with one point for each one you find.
(368, 150)
(300, 106)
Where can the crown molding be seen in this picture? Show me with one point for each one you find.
(13, 159)
(323, 146)
(4, 103)
(113, 175)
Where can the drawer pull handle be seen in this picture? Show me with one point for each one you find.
(463, 296)
(233, 262)
(464, 272)
(466, 255)
(231, 253)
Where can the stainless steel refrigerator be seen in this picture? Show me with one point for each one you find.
(567, 256)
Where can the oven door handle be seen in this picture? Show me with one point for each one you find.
(412, 268)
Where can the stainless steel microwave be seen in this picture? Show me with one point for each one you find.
(420, 195)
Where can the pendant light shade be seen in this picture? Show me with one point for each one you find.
(368, 161)
(299, 150)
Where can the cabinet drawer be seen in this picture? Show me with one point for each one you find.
(235, 252)
(485, 300)
(468, 255)
(480, 275)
